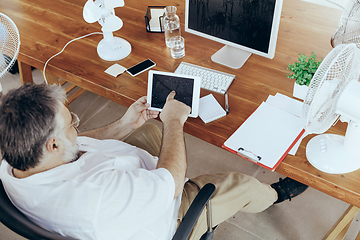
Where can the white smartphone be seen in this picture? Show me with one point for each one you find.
(140, 67)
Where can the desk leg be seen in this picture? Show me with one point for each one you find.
(25, 73)
(340, 228)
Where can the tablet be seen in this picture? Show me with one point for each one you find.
(187, 89)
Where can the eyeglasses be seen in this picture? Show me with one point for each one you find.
(75, 120)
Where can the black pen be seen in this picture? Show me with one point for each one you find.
(226, 103)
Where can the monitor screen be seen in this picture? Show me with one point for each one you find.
(250, 25)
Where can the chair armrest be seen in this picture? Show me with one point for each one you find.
(194, 211)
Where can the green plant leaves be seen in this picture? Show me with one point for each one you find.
(304, 69)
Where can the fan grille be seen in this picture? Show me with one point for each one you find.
(338, 68)
(9, 43)
(349, 26)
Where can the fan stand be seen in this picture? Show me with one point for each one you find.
(112, 48)
(332, 153)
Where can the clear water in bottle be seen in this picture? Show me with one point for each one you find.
(171, 24)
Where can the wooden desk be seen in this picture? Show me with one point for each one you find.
(46, 26)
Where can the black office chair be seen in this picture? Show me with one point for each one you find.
(12, 218)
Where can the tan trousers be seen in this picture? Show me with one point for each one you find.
(234, 191)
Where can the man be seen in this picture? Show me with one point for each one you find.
(94, 186)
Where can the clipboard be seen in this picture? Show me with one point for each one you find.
(266, 136)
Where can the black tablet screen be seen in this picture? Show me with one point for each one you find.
(163, 85)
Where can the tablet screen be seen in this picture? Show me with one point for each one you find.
(187, 89)
(163, 84)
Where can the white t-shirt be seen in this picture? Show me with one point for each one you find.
(113, 191)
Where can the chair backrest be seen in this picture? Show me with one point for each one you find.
(11, 217)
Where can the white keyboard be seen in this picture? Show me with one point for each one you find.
(210, 79)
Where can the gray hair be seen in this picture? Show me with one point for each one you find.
(27, 121)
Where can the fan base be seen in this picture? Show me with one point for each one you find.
(113, 49)
(326, 152)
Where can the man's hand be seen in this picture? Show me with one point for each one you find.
(138, 113)
(174, 111)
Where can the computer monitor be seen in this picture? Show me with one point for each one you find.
(244, 26)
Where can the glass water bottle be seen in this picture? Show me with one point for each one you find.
(171, 24)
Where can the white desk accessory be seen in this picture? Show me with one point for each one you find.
(268, 134)
(115, 70)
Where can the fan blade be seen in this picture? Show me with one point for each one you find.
(112, 23)
(111, 4)
(91, 12)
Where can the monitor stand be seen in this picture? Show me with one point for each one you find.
(231, 57)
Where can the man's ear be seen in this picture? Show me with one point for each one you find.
(52, 145)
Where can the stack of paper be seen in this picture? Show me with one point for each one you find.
(269, 133)
(154, 22)
(210, 109)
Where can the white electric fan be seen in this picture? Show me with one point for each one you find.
(110, 48)
(349, 27)
(9, 44)
(335, 92)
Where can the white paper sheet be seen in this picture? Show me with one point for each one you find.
(115, 70)
(154, 22)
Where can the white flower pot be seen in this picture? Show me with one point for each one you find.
(300, 91)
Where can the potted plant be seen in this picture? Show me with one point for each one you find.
(302, 71)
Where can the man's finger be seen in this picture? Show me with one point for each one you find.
(141, 104)
(171, 95)
(143, 99)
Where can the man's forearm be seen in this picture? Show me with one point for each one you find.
(173, 154)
